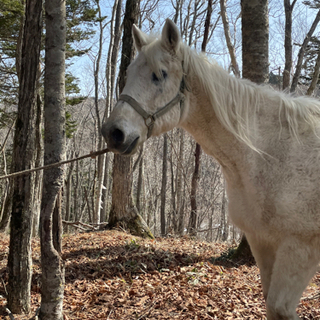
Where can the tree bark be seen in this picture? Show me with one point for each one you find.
(164, 186)
(232, 53)
(54, 151)
(197, 156)
(38, 162)
(115, 35)
(179, 187)
(140, 182)
(255, 55)
(288, 8)
(101, 143)
(24, 156)
(194, 187)
(301, 53)
(255, 40)
(224, 222)
(7, 196)
(315, 77)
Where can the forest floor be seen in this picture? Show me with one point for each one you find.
(113, 275)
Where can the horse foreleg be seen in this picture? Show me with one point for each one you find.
(264, 255)
(295, 263)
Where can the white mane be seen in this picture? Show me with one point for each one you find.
(237, 109)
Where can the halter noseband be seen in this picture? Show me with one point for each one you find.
(149, 119)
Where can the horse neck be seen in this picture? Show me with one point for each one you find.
(203, 124)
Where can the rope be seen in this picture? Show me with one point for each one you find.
(56, 164)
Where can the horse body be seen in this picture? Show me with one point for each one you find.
(266, 142)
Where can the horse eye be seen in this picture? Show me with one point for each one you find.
(156, 79)
(164, 74)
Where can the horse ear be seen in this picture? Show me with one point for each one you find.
(139, 37)
(170, 36)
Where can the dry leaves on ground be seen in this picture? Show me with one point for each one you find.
(113, 275)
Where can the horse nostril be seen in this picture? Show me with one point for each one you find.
(117, 136)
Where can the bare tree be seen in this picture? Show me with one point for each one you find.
(197, 155)
(302, 51)
(288, 8)
(101, 159)
(24, 157)
(232, 53)
(164, 185)
(315, 77)
(54, 151)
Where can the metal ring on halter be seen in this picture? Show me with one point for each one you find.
(152, 121)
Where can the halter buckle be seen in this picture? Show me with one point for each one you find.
(149, 121)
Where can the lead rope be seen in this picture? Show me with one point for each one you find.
(56, 164)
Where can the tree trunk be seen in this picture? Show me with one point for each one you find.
(140, 182)
(179, 188)
(288, 8)
(24, 156)
(224, 221)
(123, 210)
(7, 196)
(115, 35)
(301, 53)
(105, 191)
(315, 77)
(68, 195)
(232, 53)
(255, 40)
(164, 186)
(197, 156)
(101, 143)
(38, 163)
(5, 214)
(76, 192)
(54, 151)
(194, 187)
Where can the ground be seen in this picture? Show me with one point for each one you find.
(113, 275)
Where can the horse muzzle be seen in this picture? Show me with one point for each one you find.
(118, 141)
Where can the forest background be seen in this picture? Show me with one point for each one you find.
(166, 185)
(90, 96)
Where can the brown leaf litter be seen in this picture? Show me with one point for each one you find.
(114, 275)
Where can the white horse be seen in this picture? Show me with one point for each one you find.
(266, 142)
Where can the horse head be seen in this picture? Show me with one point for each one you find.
(152, 100)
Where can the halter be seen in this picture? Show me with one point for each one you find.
(149, 118)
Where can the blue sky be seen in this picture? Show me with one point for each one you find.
(216, 49)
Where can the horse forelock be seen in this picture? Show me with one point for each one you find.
(154, 55)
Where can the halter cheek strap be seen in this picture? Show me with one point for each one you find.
(149, 119)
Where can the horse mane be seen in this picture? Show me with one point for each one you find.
(238, 109)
